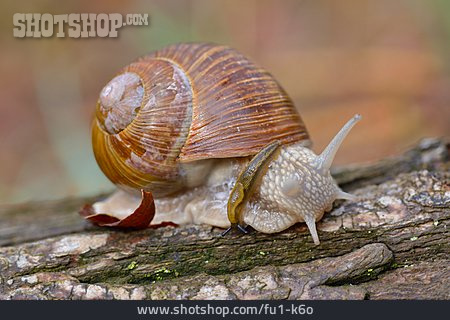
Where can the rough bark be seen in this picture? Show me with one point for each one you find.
(391, 244)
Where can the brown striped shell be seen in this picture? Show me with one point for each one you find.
(184, 103)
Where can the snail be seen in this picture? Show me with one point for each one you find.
(215, 139)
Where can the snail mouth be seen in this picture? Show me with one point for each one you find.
(120, 102)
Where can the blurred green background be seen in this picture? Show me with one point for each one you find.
(388, 60)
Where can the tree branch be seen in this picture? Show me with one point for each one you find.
(392, 243)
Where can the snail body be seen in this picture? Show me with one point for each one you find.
(215, 139)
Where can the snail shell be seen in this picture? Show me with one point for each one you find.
(173, 109)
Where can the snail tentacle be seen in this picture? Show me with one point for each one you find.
(346, 196)
(311, 223)
(326, 158)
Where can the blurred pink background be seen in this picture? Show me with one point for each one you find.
(388, 60)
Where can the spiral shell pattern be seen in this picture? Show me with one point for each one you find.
(184, 103)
